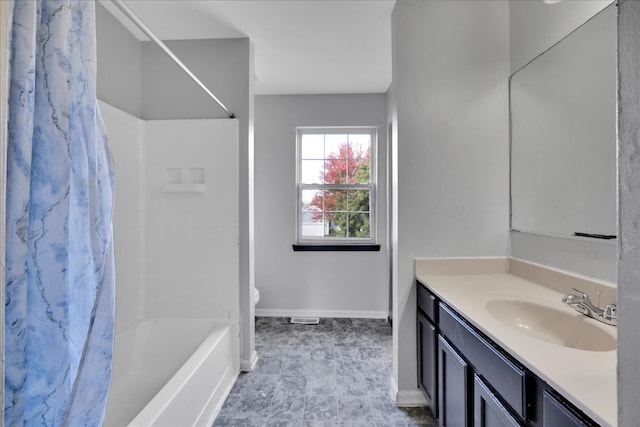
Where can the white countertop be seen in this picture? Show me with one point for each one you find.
(585, 378)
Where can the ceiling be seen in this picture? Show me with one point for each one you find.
(301, 46)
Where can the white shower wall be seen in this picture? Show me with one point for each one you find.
(177, 250)
(126, 140)
(192, 237)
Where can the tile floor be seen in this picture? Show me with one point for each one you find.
(336, 373)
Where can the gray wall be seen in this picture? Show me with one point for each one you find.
(629, 210)
(588, 257)
(119, 64)
(312, 282)
(451, 148)
(221, 64)
(535, 26)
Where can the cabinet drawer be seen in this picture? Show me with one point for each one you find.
(427, 302)
(507, 379)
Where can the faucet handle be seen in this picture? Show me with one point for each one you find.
(610, 312)
(584, 295)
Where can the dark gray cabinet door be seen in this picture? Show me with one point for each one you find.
(453, 387)
(488, 411)
(427, 356)
(558, 415)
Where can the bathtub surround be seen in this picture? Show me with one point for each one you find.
(226, 66)
(59, 260)
(177, 248)
(192, 237)
(176, 233)
(189, 251)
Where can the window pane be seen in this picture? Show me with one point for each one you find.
(312, 227)
(360, 155)
(336, 171)
(336, 225)
(311, 171)
(312, 218)
(336, 146)
(312, 199)
(359, 225)
(312, 146)
(359, 201)
(335, 200)
(359, 171)
(360, 143)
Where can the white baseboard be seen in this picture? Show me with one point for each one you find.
(249, 365)
(406, 397)
(353, 314)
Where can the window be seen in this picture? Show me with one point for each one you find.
(336, 179)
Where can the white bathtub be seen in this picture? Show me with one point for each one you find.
(172, 372)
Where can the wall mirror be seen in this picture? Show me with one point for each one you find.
(563, 135)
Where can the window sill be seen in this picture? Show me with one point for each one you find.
(335, 248)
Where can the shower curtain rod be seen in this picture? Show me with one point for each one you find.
(147, 31)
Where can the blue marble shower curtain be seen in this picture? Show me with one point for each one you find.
(59, 241)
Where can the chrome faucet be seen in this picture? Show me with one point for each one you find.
(582, 304)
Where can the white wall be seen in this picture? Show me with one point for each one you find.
(312, 283)
(192, 237)
(176, 252)
(126, 135)
(534, 27)
(629, 210)
(450, 71)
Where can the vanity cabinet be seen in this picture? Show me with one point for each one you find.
(488, 410)
(453, 377)
(427, 361)
(427, 334)
(472, 382)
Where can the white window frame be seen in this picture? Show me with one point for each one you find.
(371, 186)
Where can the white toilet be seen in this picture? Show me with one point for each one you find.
(256, 296)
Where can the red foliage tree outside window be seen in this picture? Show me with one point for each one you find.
(345, 212)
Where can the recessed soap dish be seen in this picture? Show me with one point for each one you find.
(184, 180)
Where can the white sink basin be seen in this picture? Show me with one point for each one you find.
(555, 326)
